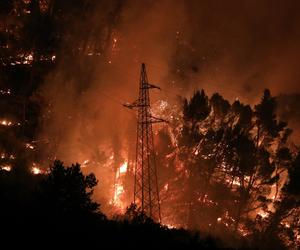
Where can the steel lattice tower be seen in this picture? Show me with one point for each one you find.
(146, 193)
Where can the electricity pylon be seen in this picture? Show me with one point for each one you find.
(146, 193)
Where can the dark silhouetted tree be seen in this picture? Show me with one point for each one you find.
(64, 198)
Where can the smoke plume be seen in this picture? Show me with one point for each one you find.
(236, 48)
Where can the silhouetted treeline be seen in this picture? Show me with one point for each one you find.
(57, 208)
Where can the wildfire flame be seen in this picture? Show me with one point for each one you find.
(35, 169)
(263, 214)
(6, 168)
(119, 188)
(30, 146)
(6, 123)
(85, 163)
(123, 168)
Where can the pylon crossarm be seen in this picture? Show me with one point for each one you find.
(154, 119)
(135, 104)
(150, 86)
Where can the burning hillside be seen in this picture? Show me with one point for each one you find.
(227, 162)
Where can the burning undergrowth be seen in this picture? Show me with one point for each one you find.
(224, 168)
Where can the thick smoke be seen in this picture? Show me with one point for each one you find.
(288, 110)
(237, 48)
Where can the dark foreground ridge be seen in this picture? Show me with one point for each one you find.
(57, 210)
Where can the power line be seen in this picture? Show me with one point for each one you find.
(114, 100)
(133, 76)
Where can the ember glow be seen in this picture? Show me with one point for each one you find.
(6, 156)
(5, 92)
